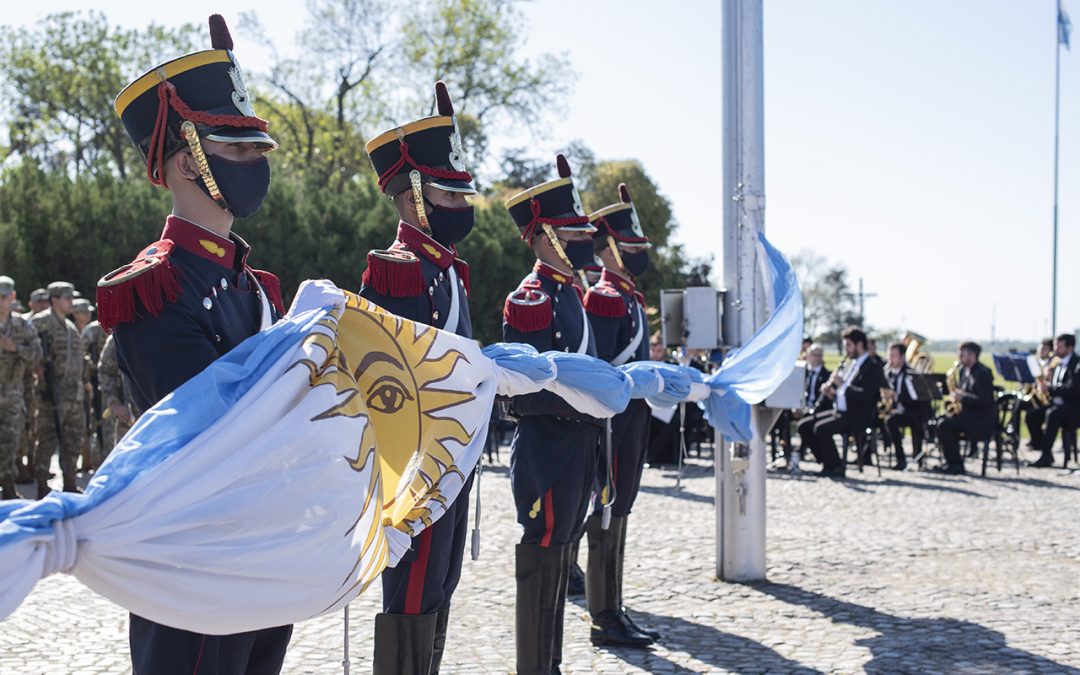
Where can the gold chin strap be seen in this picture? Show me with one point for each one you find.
(615, 252)
(418, 199)
(550, 232)
(191, 135)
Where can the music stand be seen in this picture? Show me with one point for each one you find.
(926, 387)
(1014, 368)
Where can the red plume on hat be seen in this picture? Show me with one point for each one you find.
(442, 99)
(624, 193)
(220, 38)
(563, 166)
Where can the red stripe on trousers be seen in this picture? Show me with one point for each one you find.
(202, 648)
(549, 519)
(414, 595)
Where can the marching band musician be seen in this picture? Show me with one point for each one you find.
(1034, 413)
(1064, 391)
(855, 391)
(816, 377)
(906, 410)
(420, 277)
(977, 418)
(554, 451)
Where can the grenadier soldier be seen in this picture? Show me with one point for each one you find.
(20, 351)
(116, 415)
(554, 450)
(420, 277)
(616, 311)
(61, 389)
(191, 296)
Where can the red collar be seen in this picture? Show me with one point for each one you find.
(618, 281)
(545, 270)
(421, 244)
(204, 243)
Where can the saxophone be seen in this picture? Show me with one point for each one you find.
(953, 404)
(1034, 394)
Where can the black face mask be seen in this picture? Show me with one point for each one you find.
(635, 263)
(243, 185)
(580, 252)
(449, 226)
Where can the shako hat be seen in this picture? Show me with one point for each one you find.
(555, 203)
(206, 89)
(430, 146)
(619, 221)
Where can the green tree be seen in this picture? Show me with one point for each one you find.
(58, 81)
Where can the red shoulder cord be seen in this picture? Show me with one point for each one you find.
(529, 232)
(167, 97)
(405, 158)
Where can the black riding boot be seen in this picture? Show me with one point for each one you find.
(539, 572)
(560, 610)
(403, 643)
(602, 587)
(442, 619)
(575, 585)
(627, 619)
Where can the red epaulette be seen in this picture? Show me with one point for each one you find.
(528, 309)
(462, 269)
(603, 300)
(640, 298)
(272, 285)
(150, 277)
(580, 293)
(394, 272)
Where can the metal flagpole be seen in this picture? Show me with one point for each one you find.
(1057, 113)
(740, 467)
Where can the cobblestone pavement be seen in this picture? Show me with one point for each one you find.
(903, 573)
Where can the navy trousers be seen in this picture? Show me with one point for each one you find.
(629, 438)
(426, 577)
(558, 516)
(161, 650)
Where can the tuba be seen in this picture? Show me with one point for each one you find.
(919, 361)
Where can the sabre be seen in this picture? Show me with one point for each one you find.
(475, 543)
(345, 662)
(605, 518)
(682, 443)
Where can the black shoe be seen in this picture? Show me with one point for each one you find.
(608, 628)
(832, 472)
(575, 586)
(1042, 462)
(629, 621)
(901, 465)
(955, 470)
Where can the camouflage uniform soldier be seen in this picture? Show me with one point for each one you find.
(116, 417)
(20, 351)
(94, 338)
(39, 300)
(59, 420)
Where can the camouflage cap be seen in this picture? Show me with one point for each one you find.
(39, 295)
(7, 285)
(82, 305)
(61, 289)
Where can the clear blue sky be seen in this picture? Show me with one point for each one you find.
(911, 141)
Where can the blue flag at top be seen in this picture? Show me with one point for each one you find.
(1064, 27)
